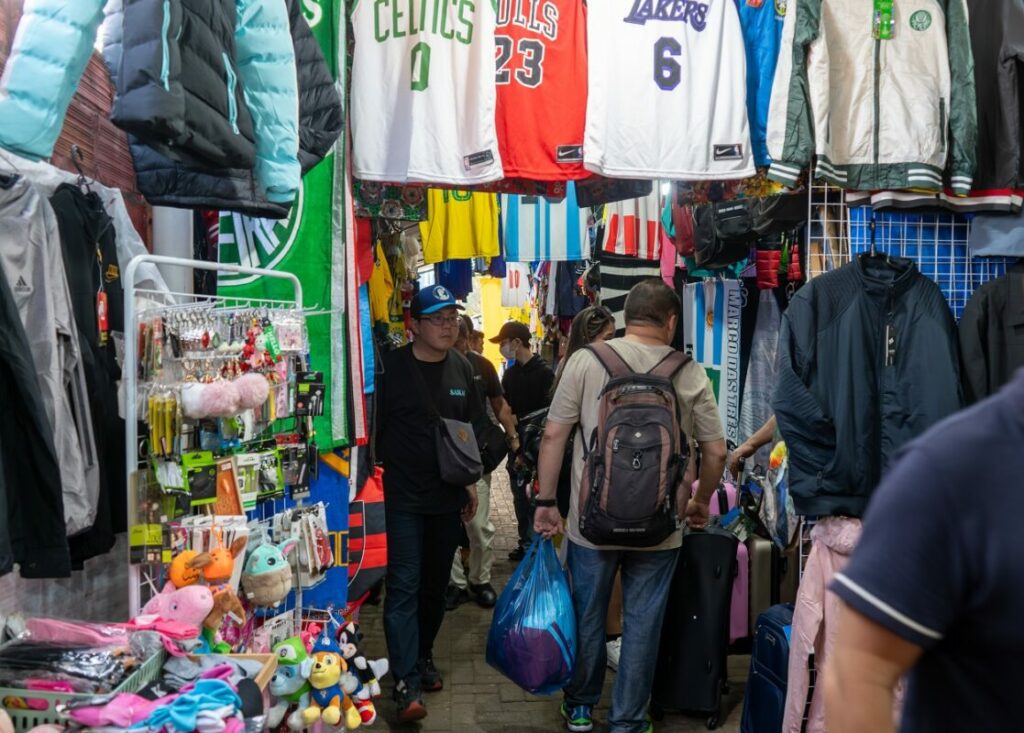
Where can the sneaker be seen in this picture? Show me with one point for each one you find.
(614, 649)
(517, 554)
(454, 596)
(577, 719)
(429, 676)
(409, 703)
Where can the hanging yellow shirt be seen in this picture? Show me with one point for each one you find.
(460, 225)
(381, 287)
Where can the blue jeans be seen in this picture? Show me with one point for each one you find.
(646, 577)
(420, 551)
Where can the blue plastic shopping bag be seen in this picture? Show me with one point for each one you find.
(532, 639)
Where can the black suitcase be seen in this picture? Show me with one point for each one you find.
(691, 673)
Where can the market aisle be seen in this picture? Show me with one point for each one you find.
(478, 698)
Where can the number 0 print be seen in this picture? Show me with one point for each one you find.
(667, 71)
(420, 73)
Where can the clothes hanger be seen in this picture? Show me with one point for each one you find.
(78, 161)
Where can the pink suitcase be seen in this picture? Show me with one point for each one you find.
(739, 616)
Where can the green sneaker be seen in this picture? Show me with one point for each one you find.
(577, 719)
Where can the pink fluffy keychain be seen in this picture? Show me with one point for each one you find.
(253, 390)
(220, 399)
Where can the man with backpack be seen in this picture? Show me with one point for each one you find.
(637, 404)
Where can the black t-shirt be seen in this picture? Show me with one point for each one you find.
(412, 477)
(528, 386)
(486, 378)
(939, 564)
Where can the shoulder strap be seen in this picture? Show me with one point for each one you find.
(670, 365)
(610, 359)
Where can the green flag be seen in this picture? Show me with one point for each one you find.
(306, 245)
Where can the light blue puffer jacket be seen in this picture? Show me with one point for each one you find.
(50, 51)
(53, 44)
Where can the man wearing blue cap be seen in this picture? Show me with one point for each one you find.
(421, 381)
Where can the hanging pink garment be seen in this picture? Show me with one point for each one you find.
(668, 259)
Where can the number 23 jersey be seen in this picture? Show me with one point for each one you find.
(542, 88)
(667, 90)
(423, 93)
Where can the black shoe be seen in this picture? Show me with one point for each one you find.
(517, 554)
(430, 678)
(409, 703)
(454, 596)
(485, 595)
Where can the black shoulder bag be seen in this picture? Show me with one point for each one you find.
(458, 455)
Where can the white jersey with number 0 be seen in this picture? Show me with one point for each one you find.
(423, 93)
(667, 90)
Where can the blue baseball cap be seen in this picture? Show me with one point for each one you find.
(432, 299)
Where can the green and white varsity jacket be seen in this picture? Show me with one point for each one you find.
(891, 113)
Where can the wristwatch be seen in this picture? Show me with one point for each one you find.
(545, 502)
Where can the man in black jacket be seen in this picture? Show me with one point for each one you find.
(421, 381)
(527, 385)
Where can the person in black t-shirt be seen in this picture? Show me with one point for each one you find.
(527, 385)
(481, 530)
(423, 513)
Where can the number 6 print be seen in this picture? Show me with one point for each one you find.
(667, 71)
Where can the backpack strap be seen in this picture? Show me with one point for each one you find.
(670, 365)
(610, 359)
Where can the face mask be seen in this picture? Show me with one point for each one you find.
(508, 351)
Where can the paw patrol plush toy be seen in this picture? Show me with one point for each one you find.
(328, 699)
(290, 685)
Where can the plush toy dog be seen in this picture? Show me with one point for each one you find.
(369, 671)
(290, 685)
(329, 699)
(267, 577)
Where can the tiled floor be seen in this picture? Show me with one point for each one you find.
(478, 698)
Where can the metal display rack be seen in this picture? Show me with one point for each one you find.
(157, 302)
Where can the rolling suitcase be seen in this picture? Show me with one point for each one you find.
(691, 673)
(722, 503)
(774, 575)
(764, 702)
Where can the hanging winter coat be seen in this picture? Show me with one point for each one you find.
(51, 48)
(167, 182)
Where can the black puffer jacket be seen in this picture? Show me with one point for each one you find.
(166, 182)
(177, 87)
(846, 398)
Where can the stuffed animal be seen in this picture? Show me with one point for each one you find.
(328, 699)
(369, 671)
(186, 568)
(189, 605)
(221, 563)
(267, 577)
(289, 685)
(225, 603)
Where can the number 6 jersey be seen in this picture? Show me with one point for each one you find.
(423, 93)
(667, 96)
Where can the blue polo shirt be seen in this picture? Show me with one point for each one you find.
(941, 564)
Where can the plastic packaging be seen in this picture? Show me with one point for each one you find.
(532, 639)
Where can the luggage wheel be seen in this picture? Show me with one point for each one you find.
(712, 722)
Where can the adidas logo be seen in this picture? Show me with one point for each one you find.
(21, 287)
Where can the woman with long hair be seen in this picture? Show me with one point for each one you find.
(593, 323)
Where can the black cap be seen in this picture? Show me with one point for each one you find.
(513, 330)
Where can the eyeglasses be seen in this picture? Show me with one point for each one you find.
(440, 321)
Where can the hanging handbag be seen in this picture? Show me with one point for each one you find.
(458, 455)
(723, 232)
(492, 442)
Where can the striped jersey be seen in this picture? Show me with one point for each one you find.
(617, 275)
(633, 228)
(537, 229)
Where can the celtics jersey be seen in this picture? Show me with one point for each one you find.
(667, 90)
(460, 225)
(423, 93)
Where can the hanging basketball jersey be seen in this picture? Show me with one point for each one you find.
(422, 105)
(537, 229)
(634, 228)
(515, 286)
(460, 225)
(667, 90)
(542, 88)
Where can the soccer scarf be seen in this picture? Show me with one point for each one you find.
(634, 228)
(711, 322)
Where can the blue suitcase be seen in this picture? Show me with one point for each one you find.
(764, 702)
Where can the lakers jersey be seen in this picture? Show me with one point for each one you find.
(460, 225)
(423, 95)
(542, 88)
(667, 90)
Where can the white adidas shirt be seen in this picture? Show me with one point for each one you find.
(667, 95)
(423, 92)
